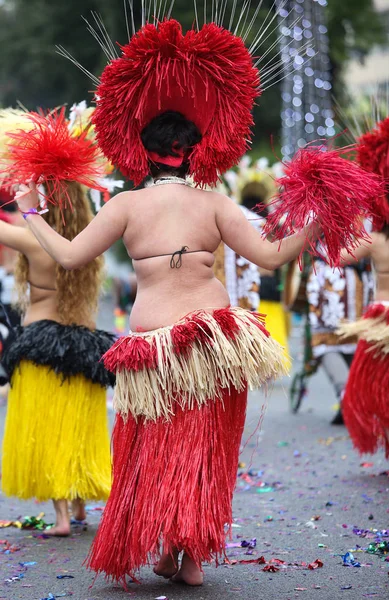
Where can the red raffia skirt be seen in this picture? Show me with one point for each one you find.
(181, 398)
(366, 399)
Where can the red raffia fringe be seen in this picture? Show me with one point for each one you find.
(208, 76)
(196, 359)
(50, 154)
(373, 155)
(366, 399)
(322, 184)
(173, 484)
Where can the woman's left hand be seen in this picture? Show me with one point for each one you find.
(27, 197)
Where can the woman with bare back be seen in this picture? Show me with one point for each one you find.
(175, 105)
(56, 440)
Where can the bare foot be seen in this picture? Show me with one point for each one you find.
(189, 572)
(78, 509)
(168, 564)
(58, 530)
(62, 521)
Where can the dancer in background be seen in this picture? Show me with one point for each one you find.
(56, 441)
(334, 295)
(366, 399)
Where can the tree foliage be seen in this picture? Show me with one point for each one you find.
(31, 72)
(354, 28)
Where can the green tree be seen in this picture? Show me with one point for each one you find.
(32, 72)
(354, 28)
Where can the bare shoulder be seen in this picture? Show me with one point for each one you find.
(379, 238)
(379, 242)
(220, 202)
(126, 199)
(218, 198)
(17, 237)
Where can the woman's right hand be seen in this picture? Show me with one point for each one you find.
(27, 197)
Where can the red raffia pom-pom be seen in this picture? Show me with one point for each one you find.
(50, 155)
(207, 75)
(321, 184)
(373, 155)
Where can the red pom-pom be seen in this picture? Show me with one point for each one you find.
(208, 76)
(336, 191)
(49, 154)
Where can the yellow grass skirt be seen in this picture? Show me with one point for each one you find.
(56, 442)
(276, 321)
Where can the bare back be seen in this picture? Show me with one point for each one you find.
(41, 277)
(379, 252)
(164, 219)
(156, 223)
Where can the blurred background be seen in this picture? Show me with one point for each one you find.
(356, 45)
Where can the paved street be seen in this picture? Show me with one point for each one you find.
(301, 489)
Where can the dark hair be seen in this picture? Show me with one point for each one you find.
(256, 204)
(165, 134)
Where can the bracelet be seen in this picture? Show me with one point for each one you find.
(34, 211)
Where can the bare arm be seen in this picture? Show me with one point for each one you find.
(17, 238)
(362, 251)
(243, 238)
(107, 227)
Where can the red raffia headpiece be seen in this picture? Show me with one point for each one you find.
(373, 155)
(339, 193)
(208, 76)
(50, 154)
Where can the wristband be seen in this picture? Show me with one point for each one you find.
(34, 211)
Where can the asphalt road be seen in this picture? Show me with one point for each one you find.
(305, 492)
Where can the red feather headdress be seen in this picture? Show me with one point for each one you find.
(207, 75)
(49, 154)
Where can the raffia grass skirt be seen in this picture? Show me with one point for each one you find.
(365, 403)
(56, 442)
(181, 396)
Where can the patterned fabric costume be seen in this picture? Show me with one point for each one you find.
(334, 295)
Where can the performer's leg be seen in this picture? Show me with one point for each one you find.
(337, 366)
(62, 521)
(168, 564)
(348, 358)
(189, 573)
(78, 509)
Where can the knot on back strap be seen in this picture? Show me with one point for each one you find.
(176, 259)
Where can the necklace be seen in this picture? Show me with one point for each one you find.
(168, 179)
